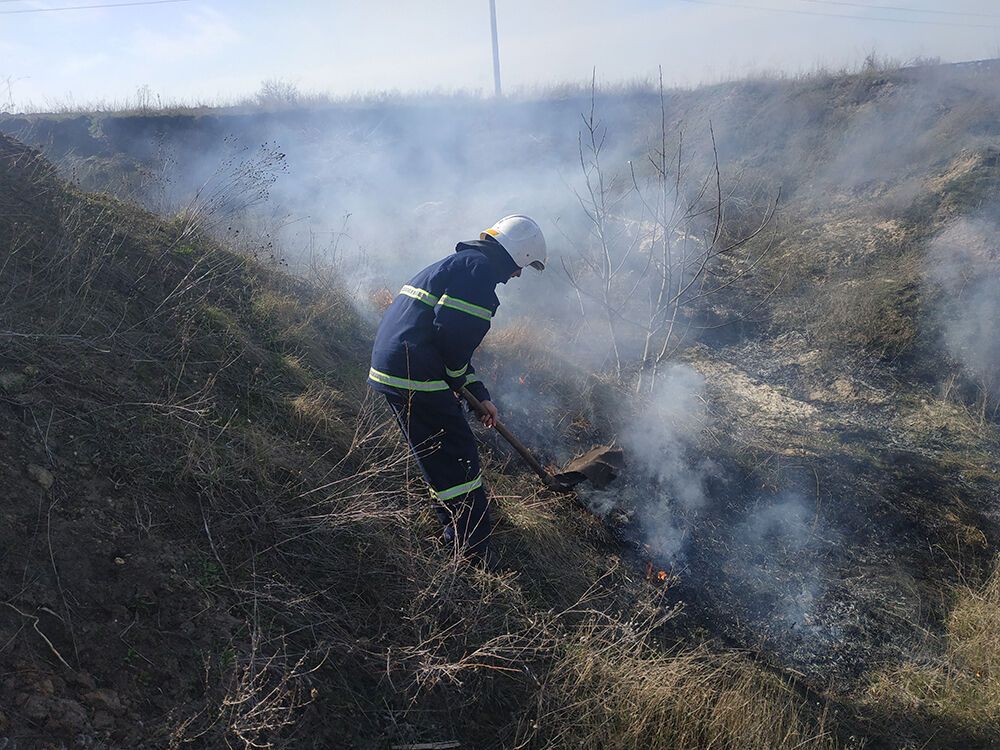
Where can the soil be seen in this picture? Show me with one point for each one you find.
(96, 610)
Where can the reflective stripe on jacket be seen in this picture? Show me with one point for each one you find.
(428, 334)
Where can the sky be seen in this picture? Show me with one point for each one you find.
(218, 51)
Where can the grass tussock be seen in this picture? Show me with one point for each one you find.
(612, 688)
(959, 684)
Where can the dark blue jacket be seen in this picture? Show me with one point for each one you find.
(425, 341)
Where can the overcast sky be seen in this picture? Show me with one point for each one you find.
(218, 50)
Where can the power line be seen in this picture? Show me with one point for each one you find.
(840, 15)
(904, 9)
(88, 7)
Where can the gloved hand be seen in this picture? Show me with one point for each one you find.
(489, 418)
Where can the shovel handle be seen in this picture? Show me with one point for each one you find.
(514, 442)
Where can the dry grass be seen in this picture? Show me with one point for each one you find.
(612, 687)
(958, 683)
(226, 399)
(229, 397)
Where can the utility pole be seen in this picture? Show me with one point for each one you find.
(496, 48)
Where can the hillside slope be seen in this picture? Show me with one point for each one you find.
(214, 535)
(211, 539)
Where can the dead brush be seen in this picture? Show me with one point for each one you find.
(523, 349)
(467, 629)
(328, 558)
(873, 317)
(548, 539)
(301, 589)
(317, 411)
(240, 182)
(266, 691)
(458, 637)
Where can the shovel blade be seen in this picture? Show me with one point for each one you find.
(600, 466)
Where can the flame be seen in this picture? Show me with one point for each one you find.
(381, 298)
(655, 574)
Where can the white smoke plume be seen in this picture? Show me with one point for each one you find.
(964, 265)
(662, 445)
(774, 536)
(662, 439)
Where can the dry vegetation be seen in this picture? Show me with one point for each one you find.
(611, 688)
(192, 427)
(957, 681)
(212, 536)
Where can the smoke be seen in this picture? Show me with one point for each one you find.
(668, 473)
(783, 523)
(964, 264)
(662, 440)
(765, 549)
(376, 191)
(674, 484)
(773, 539)
(379, 189)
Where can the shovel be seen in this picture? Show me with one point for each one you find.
(599, 465)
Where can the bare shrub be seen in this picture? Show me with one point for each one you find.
(242, 181)
(659, 244)
(276, 92)
(265, 694)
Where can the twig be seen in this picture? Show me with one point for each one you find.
(55, 572)
(56, 337)
(45, 638)
(44, 435)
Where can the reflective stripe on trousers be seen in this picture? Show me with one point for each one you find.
(406, 383)
(445, 449)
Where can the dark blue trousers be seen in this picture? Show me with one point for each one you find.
(442, 442)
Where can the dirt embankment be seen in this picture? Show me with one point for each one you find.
(140, 419)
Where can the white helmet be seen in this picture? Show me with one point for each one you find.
(522, 238)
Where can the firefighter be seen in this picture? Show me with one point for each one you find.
(423, 357)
